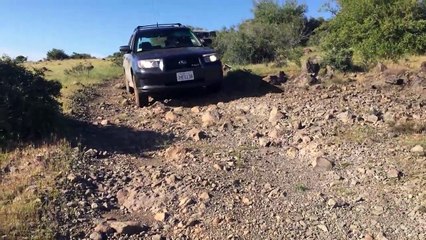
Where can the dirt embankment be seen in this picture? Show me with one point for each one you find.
(256, 161)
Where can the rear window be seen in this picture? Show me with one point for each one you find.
(165, 38)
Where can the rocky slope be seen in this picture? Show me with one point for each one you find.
(329, 161)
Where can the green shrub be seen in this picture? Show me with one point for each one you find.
(20, 59)
(80, 69)
(28, 105)
(274, 34)
(116, 58)
(57, 54)
(75, 55)
(339, 58)
(378, 29)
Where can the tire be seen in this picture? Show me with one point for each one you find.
(141, 99)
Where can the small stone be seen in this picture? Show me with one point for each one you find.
(104, 228)
(381, 236)
(372, 118)
(210, 118)
(292, 152)
(217, 167)
(161, 216)
(204, 196)
(423, 67)
(345, 117)
(323, 227)
(393, 173)
(275, 116)
(381, 67)
(119, 86)
(170, 116)
(378, 210)
(322, 164)
(368, 237)
(95, 236)
(332, 203)
(94, 206)
(195, 110)
(72, 177)
(417, 149)
(246, 201)
(128, 228)
(186, 201)
(104, 122)
(196, 134)
(157, 237)
(125, 102)
(175, 153)
(263, 142)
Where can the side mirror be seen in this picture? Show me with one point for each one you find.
(125, 49)
(207, 42)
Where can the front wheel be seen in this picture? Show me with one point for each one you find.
(141, 99)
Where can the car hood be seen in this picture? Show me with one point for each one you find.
(174, 52)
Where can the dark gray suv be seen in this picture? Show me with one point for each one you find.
(168, 57)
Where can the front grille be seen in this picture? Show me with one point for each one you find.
(182, 62)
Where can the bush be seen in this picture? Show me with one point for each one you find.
(378, 29)
(117, 58)
(274, 34)
(80, 69)
(339, 58)
(28, 105)
(20, 59)
(57, 54)
(75, 55)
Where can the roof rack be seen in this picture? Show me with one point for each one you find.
(159, 25)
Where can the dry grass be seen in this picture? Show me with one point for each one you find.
(270, 68)
(409, 127)
(31, 174)
(359, 134)
(413, 140)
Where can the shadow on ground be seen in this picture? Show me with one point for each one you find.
(236, 85)
(114, 138)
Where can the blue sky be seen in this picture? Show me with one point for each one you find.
(99, 27)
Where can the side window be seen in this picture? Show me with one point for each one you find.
(131, 42)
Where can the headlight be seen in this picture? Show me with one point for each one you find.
(151, 63)
(209, 58)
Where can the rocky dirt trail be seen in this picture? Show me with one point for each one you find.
(278, 162)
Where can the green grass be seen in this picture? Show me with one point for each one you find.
(103, 70)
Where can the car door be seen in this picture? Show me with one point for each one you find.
(127, 64)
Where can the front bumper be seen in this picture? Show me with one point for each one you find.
(159, 81)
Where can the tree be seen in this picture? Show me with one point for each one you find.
(75, 55)
(276, 33)
(20, 59)
(56, 54)
(378, 29)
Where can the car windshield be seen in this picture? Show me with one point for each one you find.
(165, 38)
